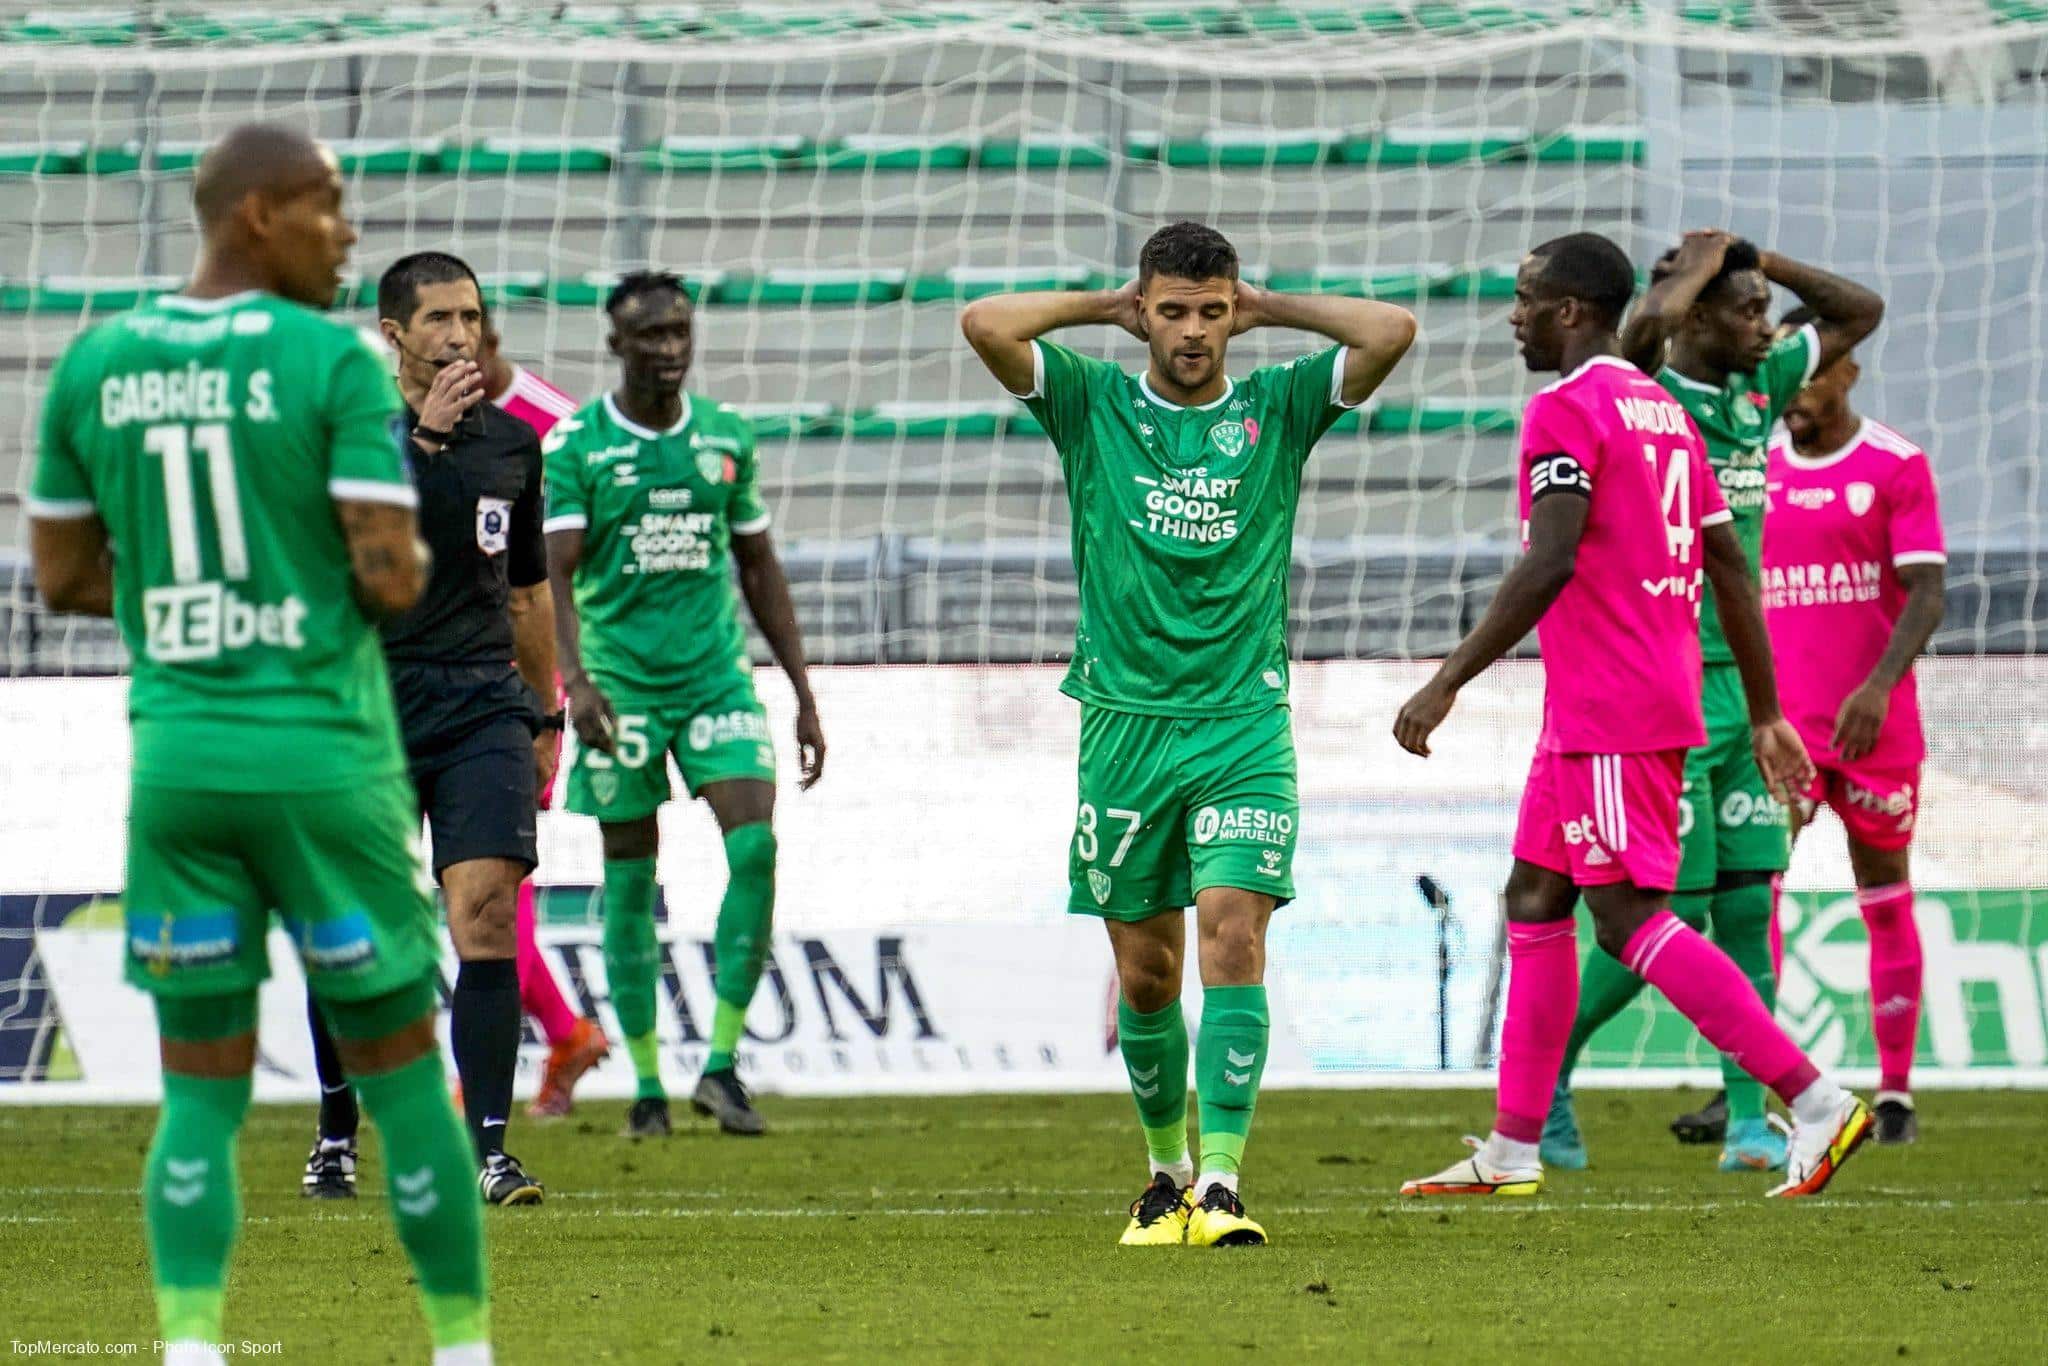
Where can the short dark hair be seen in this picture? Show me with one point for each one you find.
(1187, 251)
(398, 289)
(636, 283)
(1798, 317)
(1741, 255)
(1589, 268)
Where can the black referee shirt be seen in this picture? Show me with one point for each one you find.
(480, 513)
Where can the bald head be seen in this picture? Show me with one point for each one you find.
(257, 158)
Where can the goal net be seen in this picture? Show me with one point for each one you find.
(836, 178)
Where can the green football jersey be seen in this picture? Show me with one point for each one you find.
(1736, 420)
(658, 511)
(211, 437)
(1183, 528)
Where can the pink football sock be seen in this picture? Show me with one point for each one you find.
(1777, 927)
(1543, 996)
(1711, 991)
(538, 994)
(1894, 980)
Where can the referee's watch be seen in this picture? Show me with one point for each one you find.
(558, 719)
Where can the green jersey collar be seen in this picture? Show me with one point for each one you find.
(1229, 388)
(611, 408)
(186, 304)
(1689, 382)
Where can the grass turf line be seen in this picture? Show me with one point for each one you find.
(984, 1229)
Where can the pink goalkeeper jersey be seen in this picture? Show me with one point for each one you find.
(1836, 529)
(1621, 646)
(534, 401)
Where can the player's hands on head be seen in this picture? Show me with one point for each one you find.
(1782, 759)
(810, 746)
(1421, 714)
(590, 712)
(1858, 723)
(1129, 312)
(1701, 251)
(458, 386)
(1250, 311)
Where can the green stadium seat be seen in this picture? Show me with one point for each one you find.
(1238, 147)
(812, 287)
(240, 29)
(535, 156)
(882, 152)
(99, 28)
(972, 282)
(511, 287)
(790, 421)
(41, 158)
(1422, 146)
(77, 294)
(589, 289)
(1483, 282)
(1047, 152)
(358, 156)
(722, 153)
(1376, 282)
(1445, 415)
(1592, 143)
(968, 418)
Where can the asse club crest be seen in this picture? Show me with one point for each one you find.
(1228, 438)
(711, 464)
(1098, 883)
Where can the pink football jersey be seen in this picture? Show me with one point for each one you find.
(1621, 649)
(534, 401)
(1836, 529)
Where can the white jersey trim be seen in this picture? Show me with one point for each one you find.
(1689, 382)
(373, 491)
(752, 527)
(1812, 335)
(1037, 389)
(647, 433)
(537, 391)
(1721, 518)
(1886, 439)
(1583, 367)
(1229, 388)
(61, 509)
(1906, 557)
(567, 521)
(186, 303)
(1834, 457)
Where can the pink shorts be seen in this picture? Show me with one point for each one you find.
(1603, 818)
(1878, 803)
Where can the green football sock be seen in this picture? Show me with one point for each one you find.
(1742, 930)
(1606, 988)
(740, 943)
(191, 1201)
(1230, 1056)
(1155, 1049)
(430, 1174)
(631, 963)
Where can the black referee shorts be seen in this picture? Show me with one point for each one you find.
(469, 733)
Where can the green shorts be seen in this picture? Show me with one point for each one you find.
(1170, 807)
(1728, 822)
(340, 869)
(716, 736)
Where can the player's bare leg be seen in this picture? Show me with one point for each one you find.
(1884, 894)
(745, 809)
(483, 899)
(1230, 1056)
(1152, 1034)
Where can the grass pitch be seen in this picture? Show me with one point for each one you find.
(984, 1229)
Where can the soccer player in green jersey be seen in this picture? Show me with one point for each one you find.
(1704, 331)
(219, 472)
(652, 501)
(1184, 484)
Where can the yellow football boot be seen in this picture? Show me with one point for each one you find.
(1219, 1221)
(1159, 1217)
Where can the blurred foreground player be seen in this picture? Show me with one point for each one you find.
(1853, 569)
(575, 1043)
(652, 500)
(236, 453)
(1621, 511)
(1184, 485)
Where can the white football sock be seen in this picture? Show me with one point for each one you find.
(1817, 1103)
(1227, 1180)
(1182, 1169)
(1507, 1154)
(464, 1354)
(189, 1353)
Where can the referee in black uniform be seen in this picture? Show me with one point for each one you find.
(469, 664)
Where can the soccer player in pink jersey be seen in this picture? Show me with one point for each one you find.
(1621, 514)
(575, 1043)
(1853, 565)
